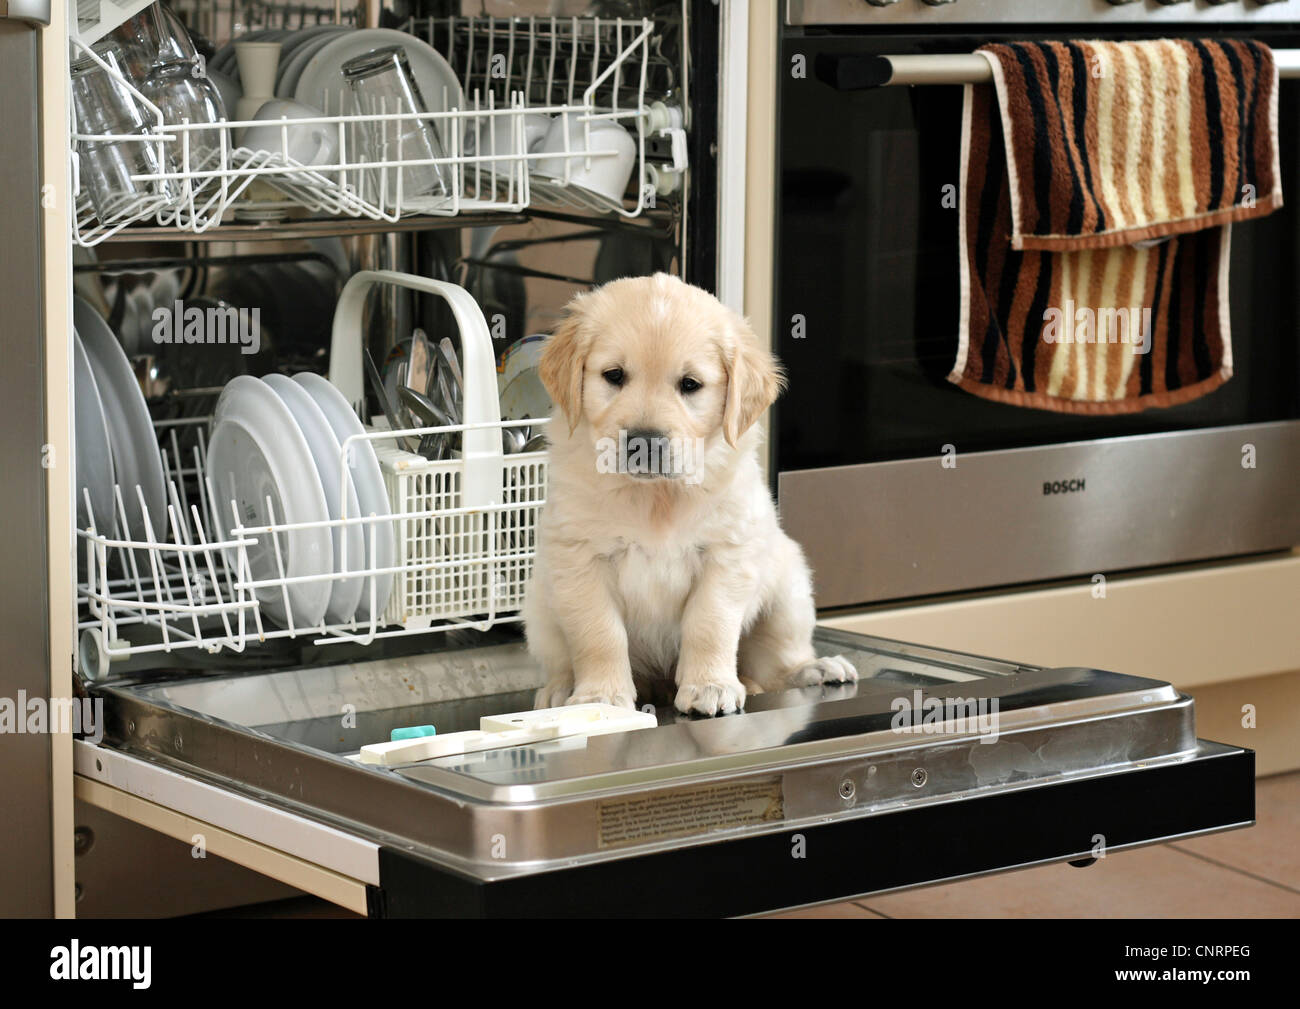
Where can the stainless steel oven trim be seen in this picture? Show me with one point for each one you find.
(896, 530)
(976, 68)
(1093, 13)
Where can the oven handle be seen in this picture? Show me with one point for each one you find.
(859, 73)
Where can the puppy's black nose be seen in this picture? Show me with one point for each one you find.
(647, 452)
(647, 435)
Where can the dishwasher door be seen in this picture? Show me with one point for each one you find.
(934, 766)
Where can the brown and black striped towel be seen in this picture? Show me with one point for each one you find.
(1098, 183)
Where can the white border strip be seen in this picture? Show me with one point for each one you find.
(276, 828)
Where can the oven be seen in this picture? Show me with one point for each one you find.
(898, 483)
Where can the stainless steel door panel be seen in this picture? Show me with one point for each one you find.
(892, 530)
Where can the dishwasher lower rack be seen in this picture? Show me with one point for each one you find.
(934, 765)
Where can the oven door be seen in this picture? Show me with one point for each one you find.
(899, 484)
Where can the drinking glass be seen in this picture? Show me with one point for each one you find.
(382, 83)
(181, 97)
(105, 106)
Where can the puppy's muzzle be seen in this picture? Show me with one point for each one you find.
(648, 452)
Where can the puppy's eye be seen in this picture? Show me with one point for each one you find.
(689, 385)
(614, 376)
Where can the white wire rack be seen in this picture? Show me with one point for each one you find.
(461, 529)
(591, 70)
(455, 566)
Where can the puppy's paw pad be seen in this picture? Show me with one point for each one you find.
(710, 698)
(618, 698)
(830, 669)
(553, 695)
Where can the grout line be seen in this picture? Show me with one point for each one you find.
(1233, 868)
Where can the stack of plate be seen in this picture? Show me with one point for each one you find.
(116, 444)
(274, 459)
(311, 59)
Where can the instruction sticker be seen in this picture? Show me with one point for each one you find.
(661, 815)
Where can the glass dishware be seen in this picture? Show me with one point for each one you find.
(183, 97)
(382, 83)
(154, 35)
(110, 170)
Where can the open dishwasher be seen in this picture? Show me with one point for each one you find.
(232, 726)
(934, 766)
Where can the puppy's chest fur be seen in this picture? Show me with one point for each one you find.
(654, 583)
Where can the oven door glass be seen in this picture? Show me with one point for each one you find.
(868, 288)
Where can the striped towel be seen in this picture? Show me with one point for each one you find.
(1098, 183)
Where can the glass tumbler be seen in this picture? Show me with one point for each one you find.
(382, 83)
(183, 97)
(109, 169)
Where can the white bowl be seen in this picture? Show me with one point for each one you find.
(279, 134)
(606, 173)
(499, 137)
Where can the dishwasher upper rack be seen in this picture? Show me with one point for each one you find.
(204, 175)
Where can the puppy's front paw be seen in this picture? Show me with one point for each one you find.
(618, 696)
(830, 669)
(710, 697)
(554, 694)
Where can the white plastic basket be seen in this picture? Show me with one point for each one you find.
(464, 526)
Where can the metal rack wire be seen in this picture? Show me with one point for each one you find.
(456, 566)
(593, 71)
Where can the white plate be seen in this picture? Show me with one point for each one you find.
(369, 479)
(136, 459)
(94, 459)
(291, 66)
(348, 541)
(520, 383)
(322, 85)
(257, 451)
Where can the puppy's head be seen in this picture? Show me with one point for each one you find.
(655, 360)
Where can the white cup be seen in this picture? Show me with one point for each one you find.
(498, 137)
(305, 143)
(258, 62)
(605, 174)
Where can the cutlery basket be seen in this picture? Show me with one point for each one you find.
(464, 527)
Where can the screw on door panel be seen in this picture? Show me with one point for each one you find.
(919, 777)
(847, 789)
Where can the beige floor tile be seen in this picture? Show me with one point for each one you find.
(1157, 882)
(847, 909)
(1271, 848)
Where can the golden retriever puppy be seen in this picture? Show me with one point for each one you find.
(659, 554)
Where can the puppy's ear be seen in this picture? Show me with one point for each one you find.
(564, 358)
(754, 379)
